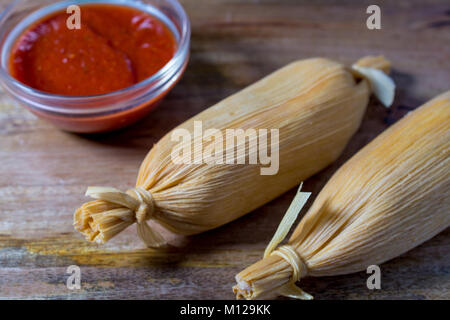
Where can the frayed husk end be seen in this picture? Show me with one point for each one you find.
(100, 221)
(243, 290)
(268, 276)
(114, 211)
(250, 291)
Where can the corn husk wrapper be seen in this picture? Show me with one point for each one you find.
(393, 195)
(316, 104)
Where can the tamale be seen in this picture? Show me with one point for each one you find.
(316, 105)
(391, 196)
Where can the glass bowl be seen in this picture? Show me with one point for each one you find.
(106, 112)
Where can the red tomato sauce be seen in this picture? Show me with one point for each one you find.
(116, 47)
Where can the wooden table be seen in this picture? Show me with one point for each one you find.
(44, 172)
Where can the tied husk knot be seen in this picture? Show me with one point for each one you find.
(287, 252)
(113, 211)
(299, 270)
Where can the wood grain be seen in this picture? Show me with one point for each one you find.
(44, 172)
